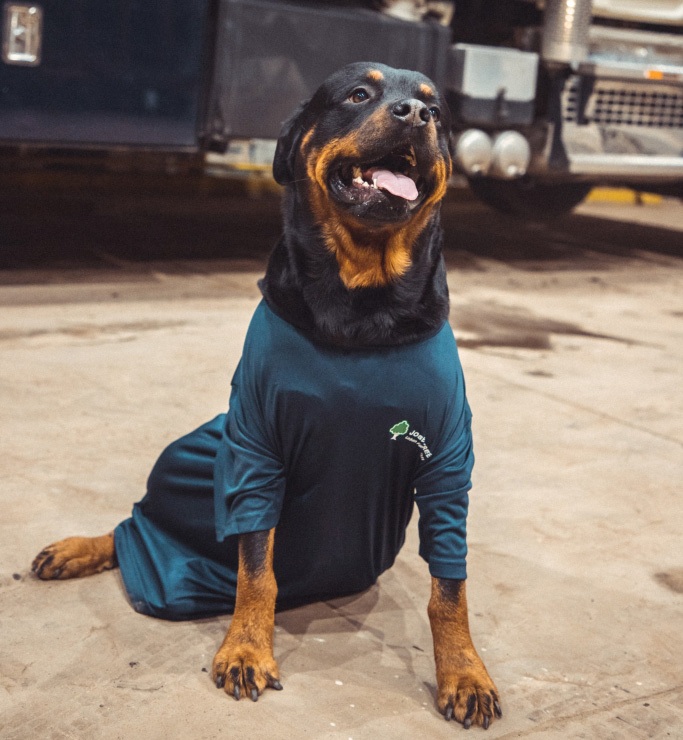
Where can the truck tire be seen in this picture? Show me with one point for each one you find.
(528, 198)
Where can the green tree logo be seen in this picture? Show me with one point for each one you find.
(399, 429)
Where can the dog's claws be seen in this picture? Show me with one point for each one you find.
(37, 563)
(471, 706)
(449, 713)
(274, 683)
(254, 694)
(498, 710)
(486, 722)
(220, 681)
(236, 692)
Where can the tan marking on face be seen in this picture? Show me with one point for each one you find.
(318, 161)
(426, 90)
(306, 139)
(366, 259)
(375, 75)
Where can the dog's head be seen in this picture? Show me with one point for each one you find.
(370, 154)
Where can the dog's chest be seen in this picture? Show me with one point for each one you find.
(386, 406)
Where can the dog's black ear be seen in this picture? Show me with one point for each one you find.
(288, 144)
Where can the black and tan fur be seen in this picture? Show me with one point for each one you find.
(353, 272)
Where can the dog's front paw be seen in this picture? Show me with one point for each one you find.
(243, 667)
(75, 557)
(467, 694)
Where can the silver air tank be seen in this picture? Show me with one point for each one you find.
(566, 25)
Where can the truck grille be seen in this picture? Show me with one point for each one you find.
(624, 103)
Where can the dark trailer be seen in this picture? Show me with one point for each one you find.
(183, 76)
(549, 96)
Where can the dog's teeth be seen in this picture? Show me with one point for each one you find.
(358, 181)
(356, 173)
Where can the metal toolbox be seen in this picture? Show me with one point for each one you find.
(488, 85)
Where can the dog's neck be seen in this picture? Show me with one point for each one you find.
(367, 261)
(338, 300)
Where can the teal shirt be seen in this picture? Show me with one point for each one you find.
(332, 446)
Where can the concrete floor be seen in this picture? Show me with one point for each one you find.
(570, 337)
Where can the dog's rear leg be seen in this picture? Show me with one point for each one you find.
(245, 660)
(75, 557)
(466, 692)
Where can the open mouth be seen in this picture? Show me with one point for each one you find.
(385, 189)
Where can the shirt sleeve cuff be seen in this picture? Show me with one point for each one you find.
(443, 569)
(247, 524)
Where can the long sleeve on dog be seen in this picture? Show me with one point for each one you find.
(441, 493)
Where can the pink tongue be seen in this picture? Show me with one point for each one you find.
(396, 184)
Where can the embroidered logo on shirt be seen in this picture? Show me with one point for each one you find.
(401, 430)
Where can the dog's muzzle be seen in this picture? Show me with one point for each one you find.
(385, 188)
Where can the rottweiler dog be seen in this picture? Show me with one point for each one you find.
(347, 408)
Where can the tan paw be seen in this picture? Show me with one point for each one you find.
(469, 696)
(75, 557)
(245, 668)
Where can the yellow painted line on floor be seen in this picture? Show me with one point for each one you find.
(623, 195)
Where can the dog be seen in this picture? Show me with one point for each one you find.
(347, 407)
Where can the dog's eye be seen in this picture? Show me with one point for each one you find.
(359, 95)
(435, 113)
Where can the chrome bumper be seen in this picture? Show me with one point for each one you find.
(627, 166)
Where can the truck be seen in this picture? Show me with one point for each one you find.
(548, 97)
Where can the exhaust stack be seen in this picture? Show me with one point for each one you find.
(565, 30)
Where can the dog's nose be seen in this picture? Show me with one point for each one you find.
(411, 111)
